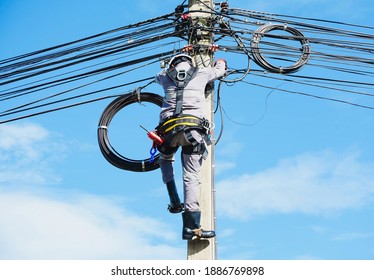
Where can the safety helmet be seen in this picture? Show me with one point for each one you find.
(175, 60)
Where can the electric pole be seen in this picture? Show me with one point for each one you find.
(201, 16)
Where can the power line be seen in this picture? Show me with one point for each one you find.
(343, 52)
(312, 95)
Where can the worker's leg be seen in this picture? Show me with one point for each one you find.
(191, 180)
(192, 160)
(167, 170)
(167, 167)
(191, 215)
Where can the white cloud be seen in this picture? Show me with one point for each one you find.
(352, 236)
(318, 229)
(222, 166)
(311, 183)
(227, 152)
(41, 222)
(85, 227)
(22, 139)
(26, 151)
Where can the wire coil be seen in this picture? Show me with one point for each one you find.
(261, 61)
(110, 154)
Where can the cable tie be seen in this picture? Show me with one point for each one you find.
(103, 127)
(137, 92)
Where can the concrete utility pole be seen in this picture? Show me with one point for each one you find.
(200, 11)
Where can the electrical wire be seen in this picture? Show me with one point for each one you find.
(259, 58)
(342, 51)
(331, 55)
(70, 105)
(41, 63)
(314, 96)
(112, 156)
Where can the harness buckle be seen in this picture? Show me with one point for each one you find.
(205, 123)
(181, 75)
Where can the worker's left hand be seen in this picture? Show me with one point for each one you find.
(221, 60)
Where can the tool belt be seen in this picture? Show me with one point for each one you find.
(175, 124)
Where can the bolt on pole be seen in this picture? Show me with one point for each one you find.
(200, 11)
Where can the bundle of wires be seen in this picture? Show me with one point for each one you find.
(274, 47)
(108, 151)
(59, 77)
(334, 57)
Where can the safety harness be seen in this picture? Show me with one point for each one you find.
(181, 122)
(175, 124)
(180, 78)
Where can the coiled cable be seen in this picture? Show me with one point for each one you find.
(110, 154)
(260, 60)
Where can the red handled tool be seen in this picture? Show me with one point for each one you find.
(153, 136)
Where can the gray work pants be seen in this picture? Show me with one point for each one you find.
(191, 165)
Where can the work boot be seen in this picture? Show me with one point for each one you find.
(191, 226)
(175, 205)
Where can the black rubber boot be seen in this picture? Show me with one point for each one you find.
(191, 226)
(175, 205)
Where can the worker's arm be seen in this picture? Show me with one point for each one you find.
(218, 71)
(160, 76)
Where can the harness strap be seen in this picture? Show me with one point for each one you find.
(171, 126)
(179, 104)
(180, 122)
(196, 148)
(180, 78)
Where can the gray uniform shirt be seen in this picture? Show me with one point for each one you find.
(194, 92)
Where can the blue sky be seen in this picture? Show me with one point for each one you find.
(295, 184)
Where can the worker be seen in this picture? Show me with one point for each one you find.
(183, 124)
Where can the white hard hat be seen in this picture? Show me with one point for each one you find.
(181, 58)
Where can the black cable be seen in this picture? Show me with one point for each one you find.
(163, 17)
(111, 155)
(57, 109)
(89, 55)
(44, 71)
(319, 79)
(80, 76)
(261, 61)
(340, 55)
(20, 110)
(38, 86)
(313, 95)
(274, 18)
(263, 114)
(219, 106)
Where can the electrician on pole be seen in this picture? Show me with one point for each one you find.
(183, 124)
(187, 115)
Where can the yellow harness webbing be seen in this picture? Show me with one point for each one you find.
(187, 121)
